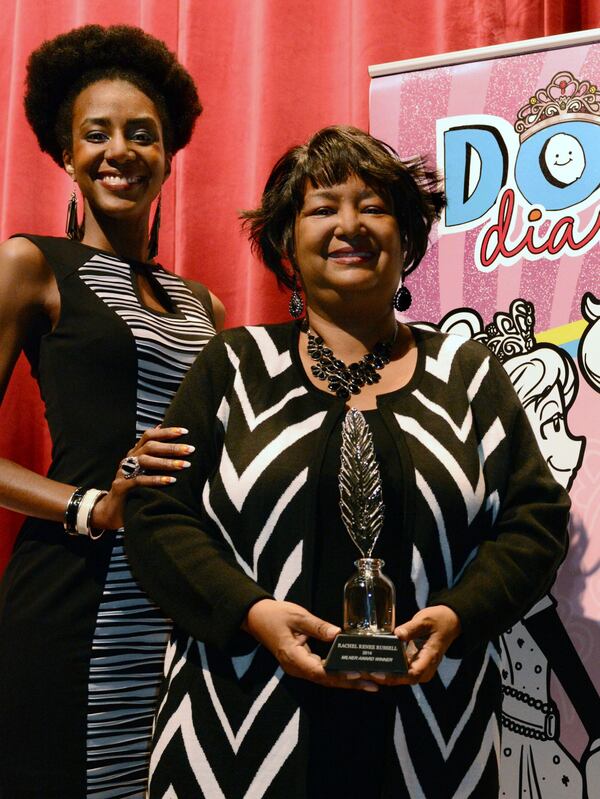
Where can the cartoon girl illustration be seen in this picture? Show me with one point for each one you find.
(534, 764)
(544, 377)
(589, 344)
(546, 382)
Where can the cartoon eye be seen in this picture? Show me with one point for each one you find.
(557, 422)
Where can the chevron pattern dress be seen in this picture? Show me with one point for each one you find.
(486, 526)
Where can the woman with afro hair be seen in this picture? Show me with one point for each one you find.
(109, 335)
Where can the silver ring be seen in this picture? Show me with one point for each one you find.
(130, 467)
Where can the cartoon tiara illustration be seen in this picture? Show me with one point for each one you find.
(564, 99)
(511, 333)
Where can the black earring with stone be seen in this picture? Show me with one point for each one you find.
(402, 299)
(72, 228)
(296, 304)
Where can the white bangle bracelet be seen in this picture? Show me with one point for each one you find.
(84, 513)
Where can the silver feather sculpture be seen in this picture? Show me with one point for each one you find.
(360, 483)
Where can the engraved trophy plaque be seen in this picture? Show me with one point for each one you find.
(367, 643)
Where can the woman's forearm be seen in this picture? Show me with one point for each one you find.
(27, 492)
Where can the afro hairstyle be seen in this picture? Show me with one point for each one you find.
(62, 67)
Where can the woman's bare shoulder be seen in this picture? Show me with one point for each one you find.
(24, 256)
(25, 275)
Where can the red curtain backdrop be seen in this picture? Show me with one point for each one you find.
(269, 72)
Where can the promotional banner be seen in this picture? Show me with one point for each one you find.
(515, 264)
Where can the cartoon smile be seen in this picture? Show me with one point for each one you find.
(556, 468)
(563, 172)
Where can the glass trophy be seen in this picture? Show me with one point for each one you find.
(367, 643)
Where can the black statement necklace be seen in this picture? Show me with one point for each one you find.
(346, 380)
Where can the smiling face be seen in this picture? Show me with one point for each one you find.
(563, 159)
(346, 241)
(561, 450)
(118, 157)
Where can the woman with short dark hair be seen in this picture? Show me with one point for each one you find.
(248, 552)
(109, 334)
(330, 157)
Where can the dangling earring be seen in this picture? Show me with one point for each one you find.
(296, 304)
(72, 228)
(402, 299)
(153, 240)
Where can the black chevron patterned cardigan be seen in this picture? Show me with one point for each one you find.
(487, 524)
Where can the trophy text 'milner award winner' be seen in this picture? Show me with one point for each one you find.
(367, 643)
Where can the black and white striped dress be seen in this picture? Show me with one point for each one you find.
(82, 645)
